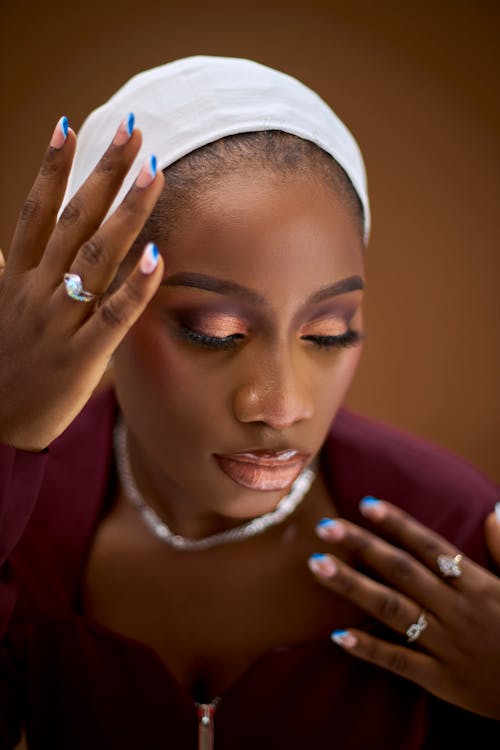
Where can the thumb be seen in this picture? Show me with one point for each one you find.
(492, 533)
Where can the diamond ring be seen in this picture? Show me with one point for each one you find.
(75, 290)
(450, 566)
(417, 628)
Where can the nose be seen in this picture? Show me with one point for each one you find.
(275, 392)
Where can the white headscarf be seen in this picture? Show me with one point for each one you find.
(188, 103)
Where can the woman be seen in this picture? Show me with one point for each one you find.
(158, 594)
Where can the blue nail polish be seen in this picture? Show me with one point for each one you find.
(64, 125)
(327, 522)
(153, 164)
(369, 501)
(130, 123)
(154, 252)
(339, 634)
(317, 556)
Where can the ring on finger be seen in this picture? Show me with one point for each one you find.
(416, 629)
(449, 565)
(74, 288)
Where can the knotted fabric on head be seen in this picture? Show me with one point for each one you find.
(188, 103)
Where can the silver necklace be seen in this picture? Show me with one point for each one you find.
(285, 507)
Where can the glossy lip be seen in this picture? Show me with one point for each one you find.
(267, 457)
(263, 470)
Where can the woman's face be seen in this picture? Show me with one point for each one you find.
(230, 379)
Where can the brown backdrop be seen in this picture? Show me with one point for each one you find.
(418, 84)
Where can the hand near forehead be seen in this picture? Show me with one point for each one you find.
(443, 608)
(55, 347)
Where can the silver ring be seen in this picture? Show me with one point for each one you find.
(417, 628)
(75, 290)
(449, 565)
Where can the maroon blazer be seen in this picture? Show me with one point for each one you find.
(75, 684)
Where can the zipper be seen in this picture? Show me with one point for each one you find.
(206, 713)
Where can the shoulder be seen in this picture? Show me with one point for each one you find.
(443, 491)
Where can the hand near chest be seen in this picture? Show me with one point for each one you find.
(442, 608)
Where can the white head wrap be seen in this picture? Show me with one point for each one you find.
(188, 103)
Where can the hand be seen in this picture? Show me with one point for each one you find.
(54, 349)
(457, 656)
(492, 533)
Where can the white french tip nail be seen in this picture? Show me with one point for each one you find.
(344, 638)
(149, 259)
(497, 512)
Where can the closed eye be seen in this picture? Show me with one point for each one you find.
(221, 343)
(216, 343)
(349, 338)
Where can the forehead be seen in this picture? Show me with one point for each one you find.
(270, 232)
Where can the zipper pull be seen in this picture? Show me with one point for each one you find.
(206, 713)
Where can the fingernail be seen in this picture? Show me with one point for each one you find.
(497, 512)
(149, 259)
(327, 522)
(125, 130)
(329, 528)
(372, 508)
(147, 173)
(322, 565)
(60, 133)
(344, 638)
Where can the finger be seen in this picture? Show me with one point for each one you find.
(104, 331)
(492, 532)
(424, 543)
(409, 663)
(393, 564)
(38, 215)
(2, 261)
(85, 211)
(99, 258)
(390, 607)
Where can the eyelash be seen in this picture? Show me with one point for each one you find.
(216, 343)
(349, 338)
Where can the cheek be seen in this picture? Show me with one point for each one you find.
(148, 368)
(340, 378)
(158, 384)
(352, 357)
(333, 385)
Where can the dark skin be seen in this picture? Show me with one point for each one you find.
(230, 606)
(183, 402)
(272, 386)
(285, 239)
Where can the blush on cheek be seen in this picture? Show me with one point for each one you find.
(347, 368)
(339, 381)
(154, 361)
(159, 390)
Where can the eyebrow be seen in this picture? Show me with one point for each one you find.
(211, 284)
(349, 284)
(232, 288)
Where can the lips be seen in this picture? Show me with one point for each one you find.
(263, 469)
